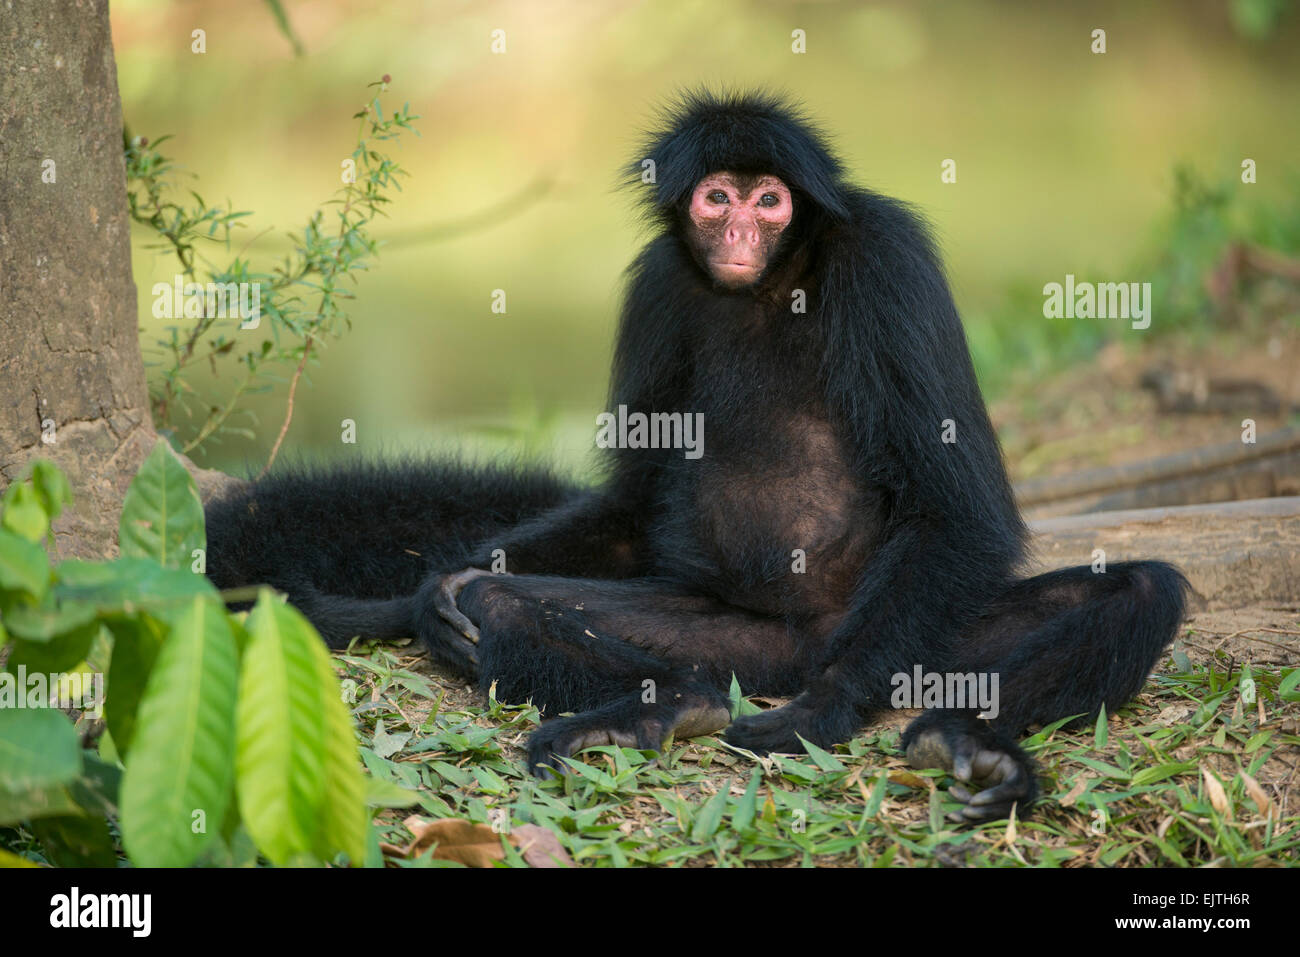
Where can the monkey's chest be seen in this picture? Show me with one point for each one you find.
(776, 521)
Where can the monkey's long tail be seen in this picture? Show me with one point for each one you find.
(349, 544)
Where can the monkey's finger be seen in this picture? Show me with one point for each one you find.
(994, 766)
(963, 760)
(466, 650)
(1002, 796)
(462, 624)
(979, 813)
(446, 607)
(452, 585)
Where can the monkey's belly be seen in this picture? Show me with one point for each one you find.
(786, 545)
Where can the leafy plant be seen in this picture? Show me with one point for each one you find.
(201, 705)
(1208, 219)
(302, 298)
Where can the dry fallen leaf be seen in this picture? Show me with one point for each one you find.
(474, 845)
(1079, 787)
(477, 845)
(1257, 794)
(539, 846)
(1214, 790)
(908, 779)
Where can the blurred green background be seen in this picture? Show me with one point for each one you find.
(1064, 159)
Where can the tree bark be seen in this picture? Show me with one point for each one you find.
(72, 385)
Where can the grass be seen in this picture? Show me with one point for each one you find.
(1199, 770)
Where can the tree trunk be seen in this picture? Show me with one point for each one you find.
(72, 385)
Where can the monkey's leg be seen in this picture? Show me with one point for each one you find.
(1060, 644)
(638, 660)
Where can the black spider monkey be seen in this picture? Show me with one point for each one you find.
(849, 520)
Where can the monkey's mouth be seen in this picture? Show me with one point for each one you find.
(736, 269)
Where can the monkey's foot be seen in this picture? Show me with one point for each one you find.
(626, 724)
(976, 754)
(449, 588)
(448, 649)
(780, 729)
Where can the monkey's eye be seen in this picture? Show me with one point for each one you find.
(769, 199)
(717, 196)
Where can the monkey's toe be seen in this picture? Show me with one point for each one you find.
(976, 754)
(565, 737)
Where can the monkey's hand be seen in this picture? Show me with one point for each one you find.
(976, 753)
(444, 601)
(781, 729)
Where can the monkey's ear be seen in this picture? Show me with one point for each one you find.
(759, 132)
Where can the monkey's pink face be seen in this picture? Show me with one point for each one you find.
(736, 223)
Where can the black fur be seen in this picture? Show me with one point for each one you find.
(633, 603)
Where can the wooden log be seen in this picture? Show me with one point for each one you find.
(1234, 554)
(1219, 473)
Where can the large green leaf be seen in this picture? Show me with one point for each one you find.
(108, 586)
(38, 746)
(343, 819)
(48, 620)
(183, 748)
(18, 806)
(53, 657)
(299, 776)
(24, 566)
(162, 517)
(285, 728)
(23, 514)
(136, 641)
(28, 506)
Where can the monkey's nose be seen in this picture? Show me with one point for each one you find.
(737, 234)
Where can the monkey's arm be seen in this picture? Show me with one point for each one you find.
(596, 534)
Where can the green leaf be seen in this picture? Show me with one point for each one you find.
(281, 732)
(162, 517)
(16, 806)
(740, 705)
(1161, 772)
(748, 804)
(24, 566)
(53, 657)
(824, 760)
(343, 820)
(23, 514)
(1100, 733)
(136, 642)
(10, 860)
(282, 22)
(380, 793)
(49, 619)
(877, 798)
(31, 504)
(111, 586)
(182, 755)
(51, 486)
(709, 817)
(39, 748)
